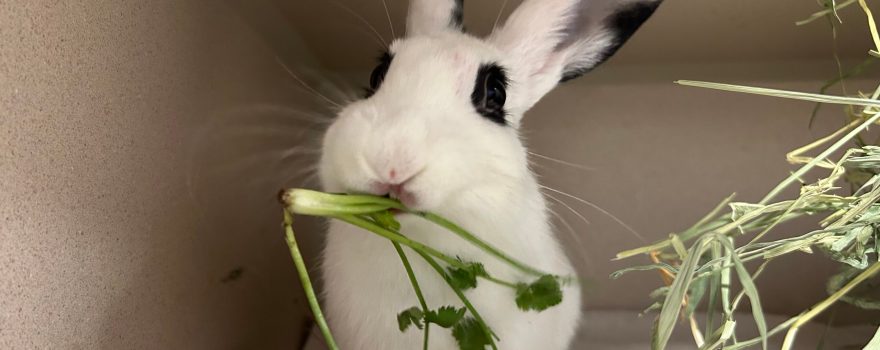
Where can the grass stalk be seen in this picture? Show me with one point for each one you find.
(822, 156)
(833, 10)
(306, 282)
(797, 95)
(824, 304)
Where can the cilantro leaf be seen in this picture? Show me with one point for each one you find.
(469, 335)
(465, 278)
(539, 295)
(411, 316)
(445, 316)
(386, 219)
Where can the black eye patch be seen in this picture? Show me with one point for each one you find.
(490, 92)
(378, 75)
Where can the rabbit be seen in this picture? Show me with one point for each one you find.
(438, 130)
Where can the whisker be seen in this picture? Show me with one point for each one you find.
(575, 212)
(297, 154)
(573, 165)
(305, 175)
(285, 111)
(363, 20)
(309, 181)
(501, 11)
(582, 251)
(599, 209)
(303, 83)
(533, 164)
(264, 131)
(347, 95)
(388, 15)
(298, 150)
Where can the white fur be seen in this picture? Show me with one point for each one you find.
(427, 17)
(421, 126)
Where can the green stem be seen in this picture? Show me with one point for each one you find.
(486, 247)
(416, 288)
(398, 238)
(499, 281)
(415, 245)
(306, 282)
(326, 204)
(464, 300)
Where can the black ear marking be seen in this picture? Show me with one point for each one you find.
(623, 24)
(576, 73)
(456, 20)
(626, 22)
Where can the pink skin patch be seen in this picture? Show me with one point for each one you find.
(460, 62)
(398, 192)
(406, 197)
(379, 188)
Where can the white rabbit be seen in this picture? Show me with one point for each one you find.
(438, 130)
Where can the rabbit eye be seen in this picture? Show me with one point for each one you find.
(378, 75)
(490, 92)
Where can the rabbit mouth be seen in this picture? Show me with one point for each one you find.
(394, 211)
(399, 192)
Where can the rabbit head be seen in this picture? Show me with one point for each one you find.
(443, 108)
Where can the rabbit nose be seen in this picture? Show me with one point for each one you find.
(393, 180)
(396, 177)
(400, 173)
(394, 169)
(395, 183)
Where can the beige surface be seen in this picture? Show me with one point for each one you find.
(625, 330)
(106, 109)
(142, 143)
(681, 31)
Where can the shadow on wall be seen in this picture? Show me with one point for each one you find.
(214, 271)
(143, 146)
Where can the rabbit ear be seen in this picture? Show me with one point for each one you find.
(427, 17)
(557, 40)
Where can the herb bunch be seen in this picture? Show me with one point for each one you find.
(374, 215)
